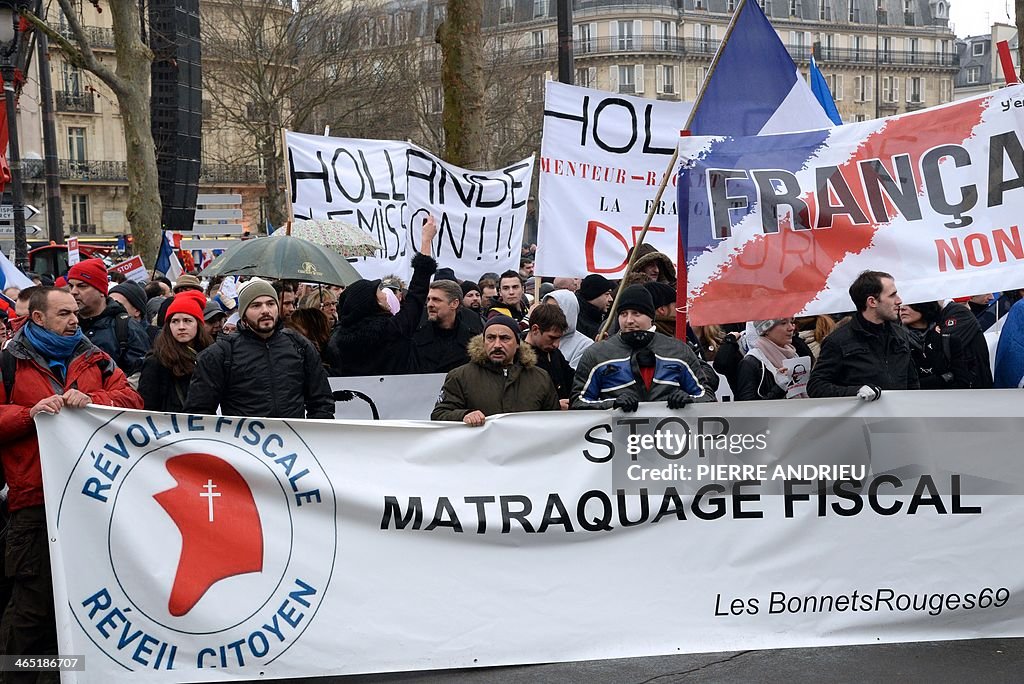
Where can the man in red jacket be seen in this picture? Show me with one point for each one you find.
(55, 366)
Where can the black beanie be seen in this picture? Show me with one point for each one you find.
(506, 321)
(662, 294)
(594, 285)
(360, 301)
(445, 274)
(637, 298)
(469, 286)
(133, 292)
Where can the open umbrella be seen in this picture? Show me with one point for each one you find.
(284, 257)
(344, 238)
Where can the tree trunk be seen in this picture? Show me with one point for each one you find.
(273, 165)
(462, 77)
(134, 61)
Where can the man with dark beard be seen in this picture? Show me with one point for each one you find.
(501, 377)
(264, 369)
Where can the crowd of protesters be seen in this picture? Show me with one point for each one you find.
(267, 349)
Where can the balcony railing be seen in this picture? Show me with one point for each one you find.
(88, 170)
(98, 36)
(75, 102)
(230, 173)
(867, 56)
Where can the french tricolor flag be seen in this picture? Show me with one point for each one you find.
(755, 87)
(11, 276)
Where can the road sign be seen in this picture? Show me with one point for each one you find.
(29, 230)
(7, 212)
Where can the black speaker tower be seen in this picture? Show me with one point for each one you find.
(177, 107)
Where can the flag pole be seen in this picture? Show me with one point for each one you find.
(681, 266)
(287, 182)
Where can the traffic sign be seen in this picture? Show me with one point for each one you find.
(29, 230)
(7, 212)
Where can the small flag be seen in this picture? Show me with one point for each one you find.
(819, 86)
(167, 261)
(11, 276)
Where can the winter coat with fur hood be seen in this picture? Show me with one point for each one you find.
(481, 385)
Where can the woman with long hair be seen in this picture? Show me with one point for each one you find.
(167, 370)
(314, 326)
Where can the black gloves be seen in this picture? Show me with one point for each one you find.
(627, 401)
(679, 399)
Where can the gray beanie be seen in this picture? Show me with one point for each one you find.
(761, 327)
(251, 289)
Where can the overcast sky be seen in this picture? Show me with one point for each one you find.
(975, 17)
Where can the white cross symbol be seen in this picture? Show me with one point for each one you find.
(209, 494)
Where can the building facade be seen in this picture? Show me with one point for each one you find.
(980, 68)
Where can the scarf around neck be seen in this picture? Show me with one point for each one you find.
(56, 349)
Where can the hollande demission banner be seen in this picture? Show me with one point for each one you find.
(780, 225)
(206, 548)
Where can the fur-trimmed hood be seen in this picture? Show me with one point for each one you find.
(649, 255)
(478, 355)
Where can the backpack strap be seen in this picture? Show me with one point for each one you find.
(121, 330)
(8, 366)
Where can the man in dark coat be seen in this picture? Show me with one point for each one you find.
(262, 370)
(595, 295)
(548, 325)
(871, 353)
(439, 344)
(104, 321)
(501, 377)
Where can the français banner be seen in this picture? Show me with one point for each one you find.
(206, 548)
(603, 156)
(388, 188)
(780, 225)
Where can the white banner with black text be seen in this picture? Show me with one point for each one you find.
(206, 548)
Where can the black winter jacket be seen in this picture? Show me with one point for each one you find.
(279, 377)
(755, 382)
(433, 350)
(378, 343)
(102, 331)
(952, 352)
(160, 389)
(590, 318)
(854, 355)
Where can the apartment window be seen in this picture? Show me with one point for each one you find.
(890, 89)
(506, 12)
(908, 6)
(914, 48)
(436, 100)
(72, 79)
(668, 34)
(858, 48)
(941, 50)
(625, 35)
(915, 89)
(824, 11)
(76, 148)
(854, 14)
(886, 49)
(978, 49)
(627, 79)
(731, 5)
(698, 4)
(538, 44)
(798, 39)
(540, 8)
(586, 38)
(582, 78)
(835, 85)
(703, 34)
(945, 90)
(668, 79)
(974, 74)
(863, 88)
(828, 43)
(79, 210)
(439, 14)
(536, 87)
(794, 8)
(860, 117)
